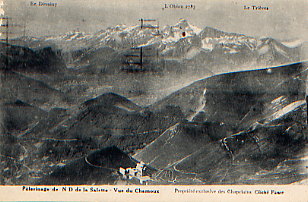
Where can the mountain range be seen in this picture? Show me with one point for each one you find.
(197, 106)
(183, 43)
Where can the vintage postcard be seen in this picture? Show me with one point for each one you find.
(153, 100)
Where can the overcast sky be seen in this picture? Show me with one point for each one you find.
(285, 19)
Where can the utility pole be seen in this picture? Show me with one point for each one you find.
(141, 23)
(24, 31)
(5, 25)
(7, 31)
(141, 58)
(135, 58)
(145, 23)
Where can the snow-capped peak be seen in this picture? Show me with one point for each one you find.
(182, 23)
(72, 35)
(184, 26)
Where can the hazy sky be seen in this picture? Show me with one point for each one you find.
(285, 19)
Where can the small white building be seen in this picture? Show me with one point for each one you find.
(136, 172)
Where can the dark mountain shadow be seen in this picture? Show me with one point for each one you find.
(23, 59)
(99, 167)
(32, 91)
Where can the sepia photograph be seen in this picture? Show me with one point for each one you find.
(198, 92)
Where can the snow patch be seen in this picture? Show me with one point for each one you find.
(292, 44)
(264, 49)
(233, 51)
(196, 29)
(206, 44)
(192, 53)
(287, 109)
(200, 107)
